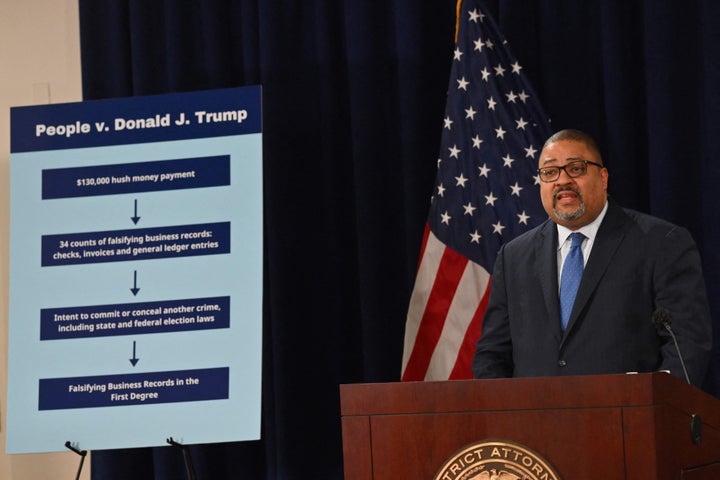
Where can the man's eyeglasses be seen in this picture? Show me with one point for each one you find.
(576, 168)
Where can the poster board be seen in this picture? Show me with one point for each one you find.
(136, 272)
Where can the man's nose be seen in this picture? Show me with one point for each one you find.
(567, 175)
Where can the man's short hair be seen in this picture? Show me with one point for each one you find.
(573, 135)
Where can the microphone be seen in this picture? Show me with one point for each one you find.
(661, 318)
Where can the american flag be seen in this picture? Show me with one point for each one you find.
(486, 193)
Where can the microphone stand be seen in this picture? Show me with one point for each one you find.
(667, 327)
(661, 319)
(82, 454)
(186, 455)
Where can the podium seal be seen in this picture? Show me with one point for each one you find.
(496, 460)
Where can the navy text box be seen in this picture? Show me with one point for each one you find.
(134, 389)
(135, 120)
(136, 244)
(135, 318)
(122, 178)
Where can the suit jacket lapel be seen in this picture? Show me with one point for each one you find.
(546, 258)
(608, 239)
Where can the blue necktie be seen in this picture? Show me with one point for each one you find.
(570, 278)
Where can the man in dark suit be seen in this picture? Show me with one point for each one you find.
(628, 265)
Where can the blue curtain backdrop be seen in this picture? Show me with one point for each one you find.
(353, 99)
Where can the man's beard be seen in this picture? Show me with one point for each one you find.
(568, 216)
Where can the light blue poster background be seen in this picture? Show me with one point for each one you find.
(236, 275)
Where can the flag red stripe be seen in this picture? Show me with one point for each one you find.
(463, 365)
(446, 281)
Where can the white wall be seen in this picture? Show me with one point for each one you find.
(39, 63)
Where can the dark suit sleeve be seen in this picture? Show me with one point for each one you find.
(493, 351)
(680, 288)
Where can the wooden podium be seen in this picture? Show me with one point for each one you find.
(635, 426)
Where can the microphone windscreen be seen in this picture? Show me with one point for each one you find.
(661, 318)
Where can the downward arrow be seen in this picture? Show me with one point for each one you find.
(135, 217)
(134, 359)
(135, 290)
